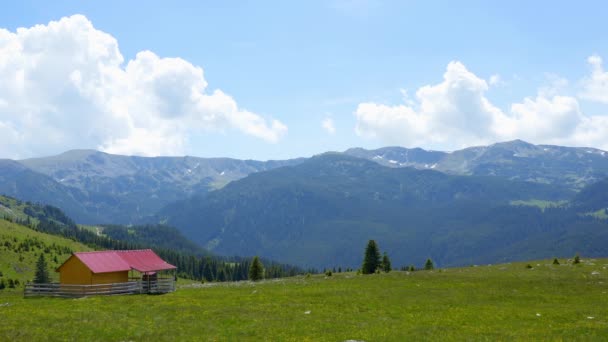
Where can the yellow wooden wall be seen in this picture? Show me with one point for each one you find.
(111, 277)
(73, 271)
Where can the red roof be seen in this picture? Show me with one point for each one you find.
(143, 260)
(103, 261)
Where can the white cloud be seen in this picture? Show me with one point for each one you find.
(65, 85)
(328, 125)
(456, 113)
(495, 80)
(554, 85)
(595, 87)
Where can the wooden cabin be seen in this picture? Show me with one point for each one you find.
(109, 267)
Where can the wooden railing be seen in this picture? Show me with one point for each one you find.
(163, 285)
(132, 287)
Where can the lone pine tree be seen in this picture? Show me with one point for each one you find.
(256, 271)
(371, 260)
(386, 263)
(42, 272)
(429, 264)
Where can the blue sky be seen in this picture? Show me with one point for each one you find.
(439, 75)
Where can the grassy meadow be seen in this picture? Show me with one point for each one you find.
(499, 302)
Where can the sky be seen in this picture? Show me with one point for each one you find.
(284, 79)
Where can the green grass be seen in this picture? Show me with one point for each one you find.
(19, 264)
(13, 208)
(500, 302)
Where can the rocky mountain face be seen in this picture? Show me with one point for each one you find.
(574, 167)
(96, 187)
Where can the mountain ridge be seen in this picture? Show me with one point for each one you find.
(332, 202)
(95, 187)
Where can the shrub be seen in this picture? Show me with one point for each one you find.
(555, 261)
(577, 259)
(528, 266)
(328, 273)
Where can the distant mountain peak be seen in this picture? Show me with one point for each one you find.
(514, 143)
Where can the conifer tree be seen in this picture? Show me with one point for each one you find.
(555, 261)
(371, 261)
(429, 264)
(256, 270)
(577, 259)
(386, 263)
(42, 272)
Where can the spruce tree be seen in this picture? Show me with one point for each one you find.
(386, 263)
(371, 260)
(429, 264)
(42, 272)
(555, 261)
(577, 259)
(256, 270)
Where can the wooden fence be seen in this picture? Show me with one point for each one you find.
(72, 291)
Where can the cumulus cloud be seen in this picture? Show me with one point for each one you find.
(66, 85)
(328, 125)
(456, 113)
(595, 87)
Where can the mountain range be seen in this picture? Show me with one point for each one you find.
(320, 212)
(501, 202)
(96, 187)
(99, 188)
(570, 166)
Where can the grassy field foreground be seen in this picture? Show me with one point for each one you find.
(498, 302)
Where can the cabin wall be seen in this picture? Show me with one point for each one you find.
(110, 277)
(73, 271)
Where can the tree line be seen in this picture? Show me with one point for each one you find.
(374, 263)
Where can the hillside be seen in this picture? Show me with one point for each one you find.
(52, 220)
(18, 181)
(321, 212)
(156, 235)
(21, 246)
(192, 261)
(499, 302)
